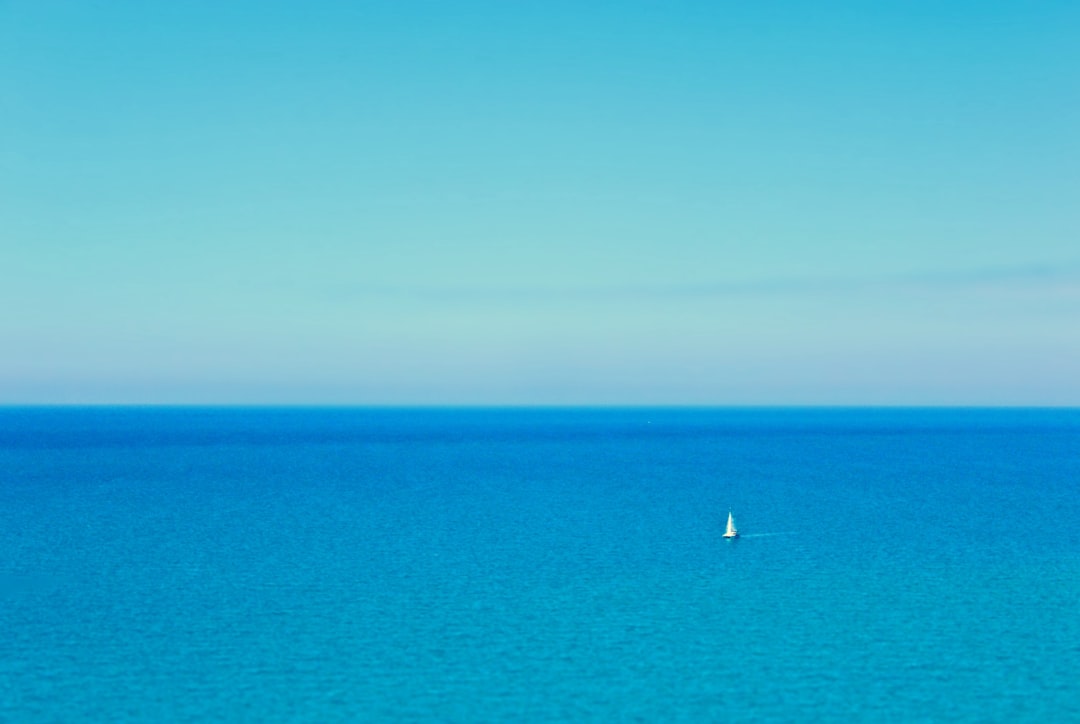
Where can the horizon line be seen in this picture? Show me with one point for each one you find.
(544, 406)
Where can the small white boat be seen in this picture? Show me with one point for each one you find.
(732, 531)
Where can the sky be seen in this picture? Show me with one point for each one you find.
(539, 203)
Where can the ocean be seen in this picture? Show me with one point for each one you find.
(475, 565)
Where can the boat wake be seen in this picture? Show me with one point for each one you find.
(766, 535)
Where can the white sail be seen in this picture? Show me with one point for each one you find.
(732, 531)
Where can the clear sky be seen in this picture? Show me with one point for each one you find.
(539, 202)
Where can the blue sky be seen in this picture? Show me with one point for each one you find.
(540, 203)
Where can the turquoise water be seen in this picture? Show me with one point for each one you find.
(493, 565)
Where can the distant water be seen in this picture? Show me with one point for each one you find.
(539, 565)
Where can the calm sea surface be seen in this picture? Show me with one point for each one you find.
(539, 565)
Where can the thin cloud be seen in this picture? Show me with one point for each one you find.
(1028, 277)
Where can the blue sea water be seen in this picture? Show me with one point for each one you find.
(193, 564)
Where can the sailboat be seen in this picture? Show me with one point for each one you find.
(732, 531)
